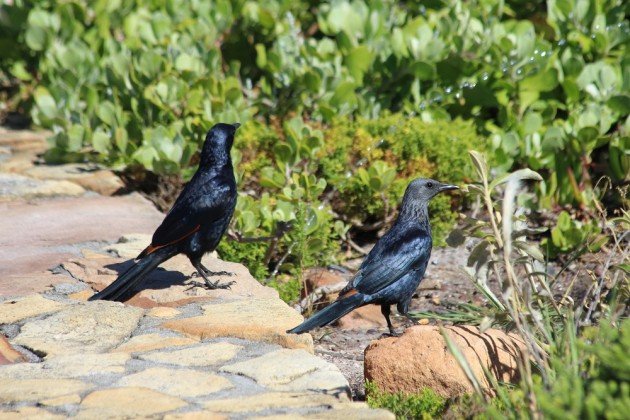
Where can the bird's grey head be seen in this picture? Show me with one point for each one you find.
(422, 190)
(218, 142)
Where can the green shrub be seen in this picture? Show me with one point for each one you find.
(425, 405)
(136, 82)
(370, 163)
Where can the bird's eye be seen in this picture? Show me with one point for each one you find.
(429, 184)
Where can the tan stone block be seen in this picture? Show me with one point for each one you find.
(127, 402)
(28, 413)
(185, 383)
(63, 400)
(291, 370)
(83, 295)
(271, 400)
(252, 319)
(148, 342)
(39, 389)
(196, 415)
(202, 355)
(15, 310)
(83, 327)
(163, 312)
(84, 364)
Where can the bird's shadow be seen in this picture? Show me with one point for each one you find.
(158, 279)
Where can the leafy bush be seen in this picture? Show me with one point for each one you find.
(138, 82)
(425, 405)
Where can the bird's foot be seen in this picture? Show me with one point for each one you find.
(392, 333)
(217, 285)
(210, 285)
(212, 273)
(218, 273)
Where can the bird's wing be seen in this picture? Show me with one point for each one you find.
(388, 265)
(193, 208)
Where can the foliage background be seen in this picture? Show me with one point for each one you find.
(345, 101)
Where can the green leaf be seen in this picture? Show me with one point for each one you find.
(359, 61)
(45, 102)
(107, 113)
(101, 141)
(620, 103)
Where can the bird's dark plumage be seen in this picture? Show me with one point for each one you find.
(198, 219)
(395, 266)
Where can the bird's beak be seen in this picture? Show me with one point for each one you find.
(236, 125)
(446, 187)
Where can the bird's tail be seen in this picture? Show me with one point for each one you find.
(330, 313)
(134, 274)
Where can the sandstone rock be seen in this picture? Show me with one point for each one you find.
(319, 277)
(19, 390)
(31, 282)
(420, 359)
(202, 355)
(129, 245)
(369, 316)
(196, 415)
(127, 402)
(8, 354)
(17, 163)
(171, 285)
(15, 310)
(149, 342)
(34, 413)
(163, 312)
(63, 400)
(35, 244)
(291, 370)
(25, 140)
(82, 328)
(188, 384)
(254, 319)
(90, 177)
(14, 186)
(271, 400)
(84, 364)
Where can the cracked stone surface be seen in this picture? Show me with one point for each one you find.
(171, 351)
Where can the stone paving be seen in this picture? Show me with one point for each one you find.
(171, 351)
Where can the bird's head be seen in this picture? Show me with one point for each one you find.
(423, 190)
(218, 141)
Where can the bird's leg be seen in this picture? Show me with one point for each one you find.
(214, 273)
(386, 310)
(209, 284)
(412, 319)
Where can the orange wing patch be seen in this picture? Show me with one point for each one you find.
(350, 292)
(152, 248)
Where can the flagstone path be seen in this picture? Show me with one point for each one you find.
(171, 351)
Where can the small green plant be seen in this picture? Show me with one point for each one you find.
(566, 364)
(424, 405)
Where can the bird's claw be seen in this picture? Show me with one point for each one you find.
(219, 273)
(211, 286)
(217, 285)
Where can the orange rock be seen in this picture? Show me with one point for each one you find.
(366, 317)
(318, 277)
(8, 354)
(420, 359)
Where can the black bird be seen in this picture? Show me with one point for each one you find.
(196, 222)
(395, 266)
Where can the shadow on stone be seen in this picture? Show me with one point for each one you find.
(160, 278)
